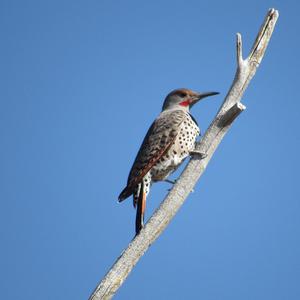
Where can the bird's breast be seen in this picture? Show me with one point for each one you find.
(183, 143)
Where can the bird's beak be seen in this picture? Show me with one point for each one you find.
(199, 96)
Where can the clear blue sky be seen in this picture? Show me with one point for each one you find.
(81, 81)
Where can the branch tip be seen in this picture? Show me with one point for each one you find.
(263, 36)
(231, 114)
(240, 106)
(239, 49)
(273, 13)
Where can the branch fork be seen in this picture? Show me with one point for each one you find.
(228, 112)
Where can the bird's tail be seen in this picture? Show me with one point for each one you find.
(139, 197)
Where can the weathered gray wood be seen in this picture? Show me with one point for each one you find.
(228, 112)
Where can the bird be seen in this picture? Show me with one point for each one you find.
(170, 139)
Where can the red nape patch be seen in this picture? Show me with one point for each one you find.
(185, 103)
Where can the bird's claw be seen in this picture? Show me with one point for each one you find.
(170, 181)
(173, 182)
(201, 155)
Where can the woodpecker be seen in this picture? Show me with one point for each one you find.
(170, 139)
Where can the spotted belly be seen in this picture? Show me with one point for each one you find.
(183, 144)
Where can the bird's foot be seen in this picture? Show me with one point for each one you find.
(170, 181)
(173, 182)
(198, 153)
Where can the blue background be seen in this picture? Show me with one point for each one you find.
(81, 81)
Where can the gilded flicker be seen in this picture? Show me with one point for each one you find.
(169, 140)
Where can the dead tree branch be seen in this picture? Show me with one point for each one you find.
(228, 112)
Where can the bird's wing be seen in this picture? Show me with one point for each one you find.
(159, 138)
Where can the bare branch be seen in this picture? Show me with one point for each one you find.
(239, 49)
(228, 112)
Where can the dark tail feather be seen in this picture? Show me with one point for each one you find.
(140, 210)
(125, 194)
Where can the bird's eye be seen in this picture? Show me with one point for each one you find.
(182, 95)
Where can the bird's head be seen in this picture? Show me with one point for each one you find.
(184, 98)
